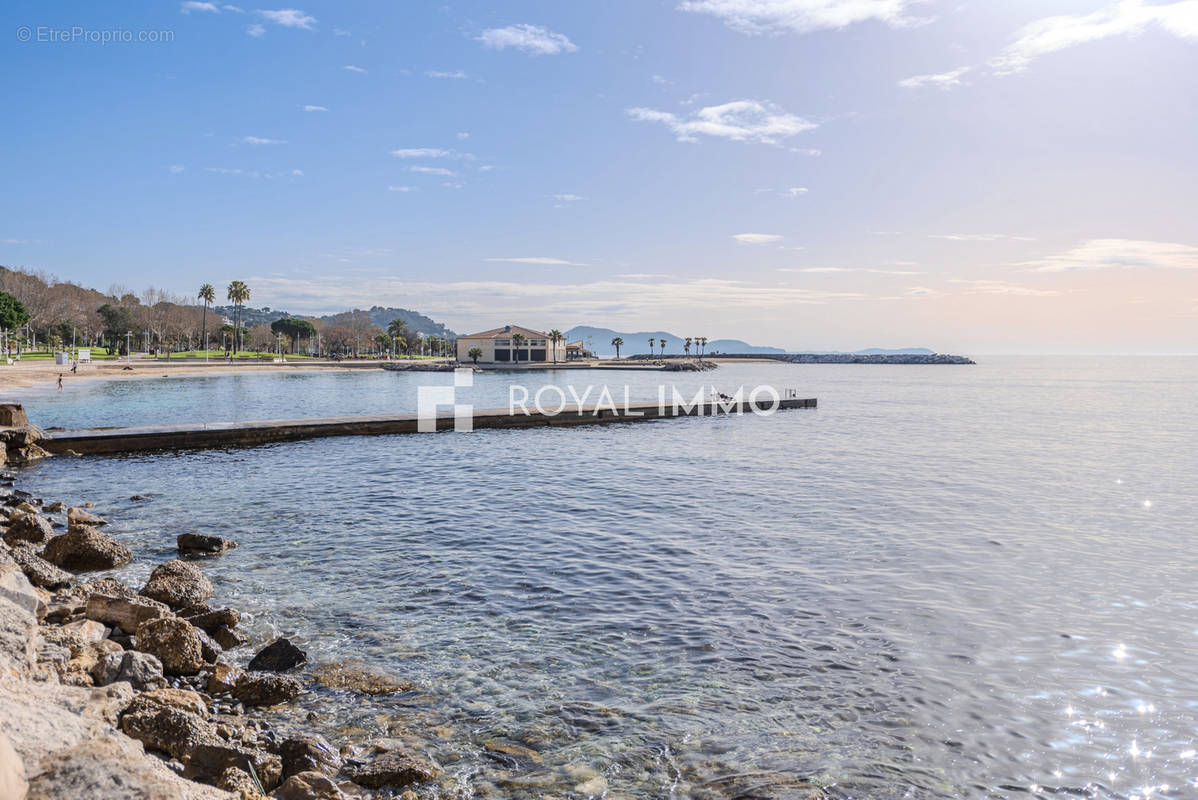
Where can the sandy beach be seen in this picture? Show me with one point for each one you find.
(33, 374)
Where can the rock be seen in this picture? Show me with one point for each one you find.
(137, 498)
(178, 584)
(278, 656)
(77, 517)
(28, 527)
(359, 677)
(175, 642)
(225, 678)
(209, 761)
(38, 570)
(12, 772)
(84, 549)
(126, 613)
(168, 729)
(12, 415)
(209, 650)
(141, 670)
(182, 699)
(54, 508)
(394, 769)
(308, 786)
(88, 630)
(237, 781)
(309, 754)
(212, 619)
(266, 689)
(228, 638)
(197, 544)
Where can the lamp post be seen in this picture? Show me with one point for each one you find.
(128, 346)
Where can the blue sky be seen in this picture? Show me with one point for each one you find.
(1008, 176)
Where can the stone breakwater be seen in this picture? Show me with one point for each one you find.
(118, 692)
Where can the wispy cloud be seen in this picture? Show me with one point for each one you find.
(253, 173)
(1118, 254)
(352, 68)
(799, 16)
(940, 80)
(542, 260)
(832, 270)
(288, 18)
(176, 168)
(531, 39)
(315, 108)
(980, 237)
(1004, 288)
(463, 135)
(402, 189)
(192, 5)
(918, 293)
(256, 30)
(1126, 17)
(422, 152)
(456, 74)
(432, 171)
(258, 140)
(794, 191)
(566, 200)
(739, 121)
(757, 238)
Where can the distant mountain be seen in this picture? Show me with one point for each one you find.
(598, 340)
(416, 322)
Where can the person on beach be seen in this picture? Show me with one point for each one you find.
(60, 381)
(74, 367)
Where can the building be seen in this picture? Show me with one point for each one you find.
(576, 351)
(499, 347)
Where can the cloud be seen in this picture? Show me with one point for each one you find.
(979, 237)
(799, 16)
(257, 140)
(340, 32)
(1002, 287)
(192, 5)
(421, 152)
(757, 238)
(739, 121)
(402, 189)
(463, 135)
(942, 80)
(566, 200)
(1126, 17)
(432, 171)
(542, 260)
(176, 168)
(872, 271)
(352, 68)
(918, 293)
(458, 74)
(1118, 254)
(315, 108)
(531, 39)
(253, 173)
(794, 191)
(288, 18)
(255, 30)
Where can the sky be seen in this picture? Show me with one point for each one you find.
(1015, 176)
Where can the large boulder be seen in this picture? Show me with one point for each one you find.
(394, 769)
(308, 786)
(12, 772)
(266, 689)
(224, 678)
(26, 527)
(278, 656)
(228, 638)
(178, 584)
(126, 613)
(168, 729)
(38, 570)
(309, 753)
(77, 517)
(211, 620)
(174, 642)
(198, 544)
(84, 549)
(208, 763)
(182, 699)
(141, 670)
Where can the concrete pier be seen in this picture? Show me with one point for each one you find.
(106, 441)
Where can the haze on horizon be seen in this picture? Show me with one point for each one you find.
(809, 174)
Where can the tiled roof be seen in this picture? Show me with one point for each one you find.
(506, 333)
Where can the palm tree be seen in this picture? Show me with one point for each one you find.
(208, 295)
(652, 342)
(686, 346)
(555, 336)
(517, 340)
(617, 343)
(662, 342)
(702, 340)
(238, 293)
(475, 354)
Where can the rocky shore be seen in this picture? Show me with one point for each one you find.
(115, 691)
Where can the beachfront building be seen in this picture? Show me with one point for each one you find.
(502, 346)
(576, 351)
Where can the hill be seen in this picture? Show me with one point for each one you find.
(598, 340)
(416, 322)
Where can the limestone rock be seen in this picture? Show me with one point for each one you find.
(141, 670)
(394, 769)
(83, 549)
(212, 619)
(178, 584)
(309, 754)
(38, 570)
(225, 678)
(182, 699)
(228, 638)
(77, 517)
(88, 630)
(359, 677)
(208, 762)
(237, 781)
(126, 613)
(174, 642)
(278, 656)
(12, 772)
(197, 544)
(168, 729)
(28, 527)
(308, 786)
(266, 689)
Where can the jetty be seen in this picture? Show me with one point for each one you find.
(146, 438)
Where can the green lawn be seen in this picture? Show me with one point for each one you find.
(241, 355)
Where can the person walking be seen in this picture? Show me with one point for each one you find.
(60, 381)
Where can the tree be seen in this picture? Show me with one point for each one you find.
(293, 328)
(555, 336)
(117, 321)
(238, 293)
(517, 340)
(617, 343)
(686, 346)
(12, 314)
(475, 353)
(652, 342)
(703, 341)
(662, 343)
(208, 295)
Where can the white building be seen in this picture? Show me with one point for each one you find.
(501, 346)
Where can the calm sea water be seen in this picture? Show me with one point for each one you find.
(945, 582)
